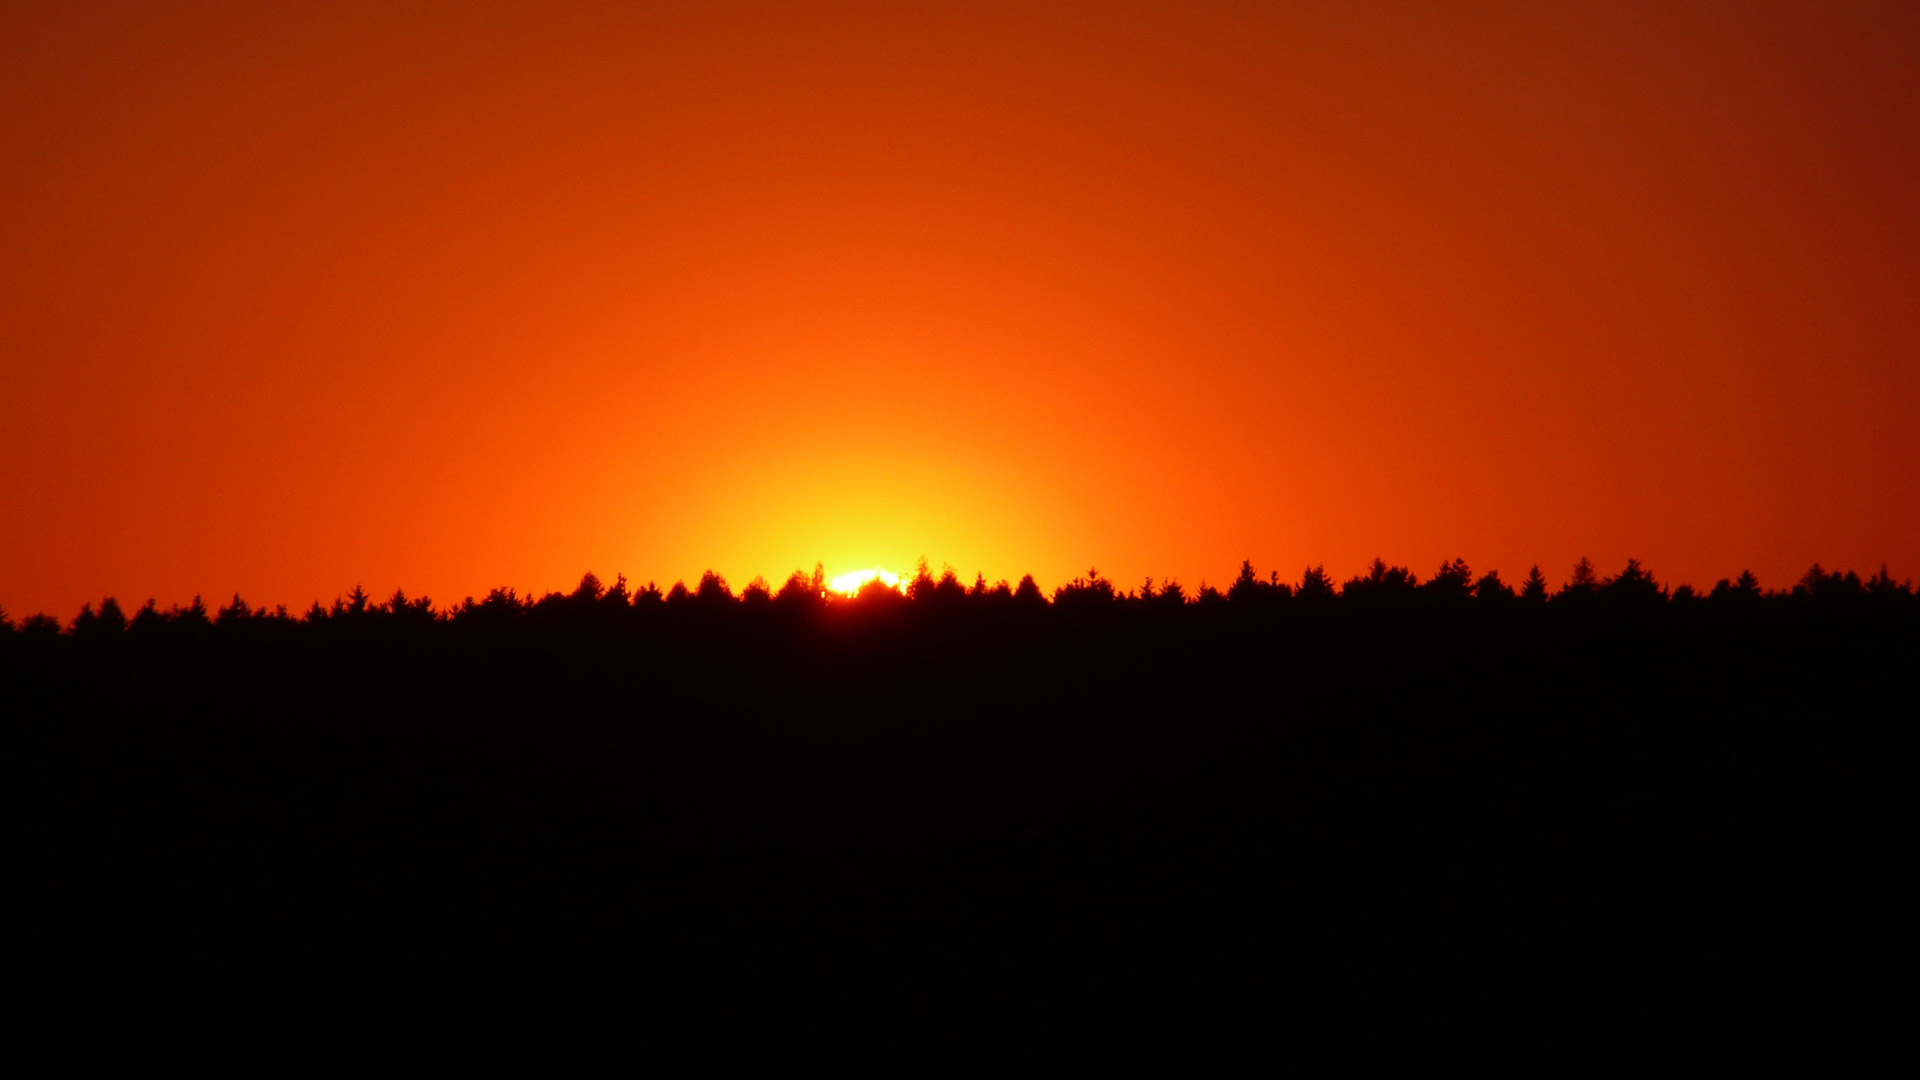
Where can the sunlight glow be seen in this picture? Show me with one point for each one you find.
(849, 583)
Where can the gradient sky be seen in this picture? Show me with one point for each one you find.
(299, 296)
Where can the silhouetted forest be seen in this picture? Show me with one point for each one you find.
(1382, 825)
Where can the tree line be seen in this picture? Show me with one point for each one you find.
(1452, 586)
(1394, 824)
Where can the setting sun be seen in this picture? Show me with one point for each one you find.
(851, 582)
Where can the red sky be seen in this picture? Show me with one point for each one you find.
(294, 297)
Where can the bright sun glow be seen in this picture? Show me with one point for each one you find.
(849, 583)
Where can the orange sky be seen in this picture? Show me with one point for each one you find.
(294, 297)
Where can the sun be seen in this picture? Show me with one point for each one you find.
(850, 583)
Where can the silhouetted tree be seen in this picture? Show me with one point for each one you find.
(1171, 594)
(1633, 587)
(500, 608)
(83, 622)
(1491, 590)
(1740, 592)
(1248, 589)
(193, 617)
(949, 589)
(1315, 586)
(400, 610)
(1534, 590)
(1244, 583)
(1829, 588)
(678, 595)
(798, 592)
(1882, 588)
(920, 586)
(353, 606)
(149, 620)
(1027, 593)
(1381, 584)
(878, 596)
(618, 598)
(1451, 584)
(1582, 588)
(712, 589)
(40, 628)
(1081, 592)
(756, 592)
(237, 616)
(234, 612)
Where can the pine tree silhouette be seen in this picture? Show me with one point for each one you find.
(1028, 592)
(1315, 586)
(1534, 589)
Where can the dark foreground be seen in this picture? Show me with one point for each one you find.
(1203, 845)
